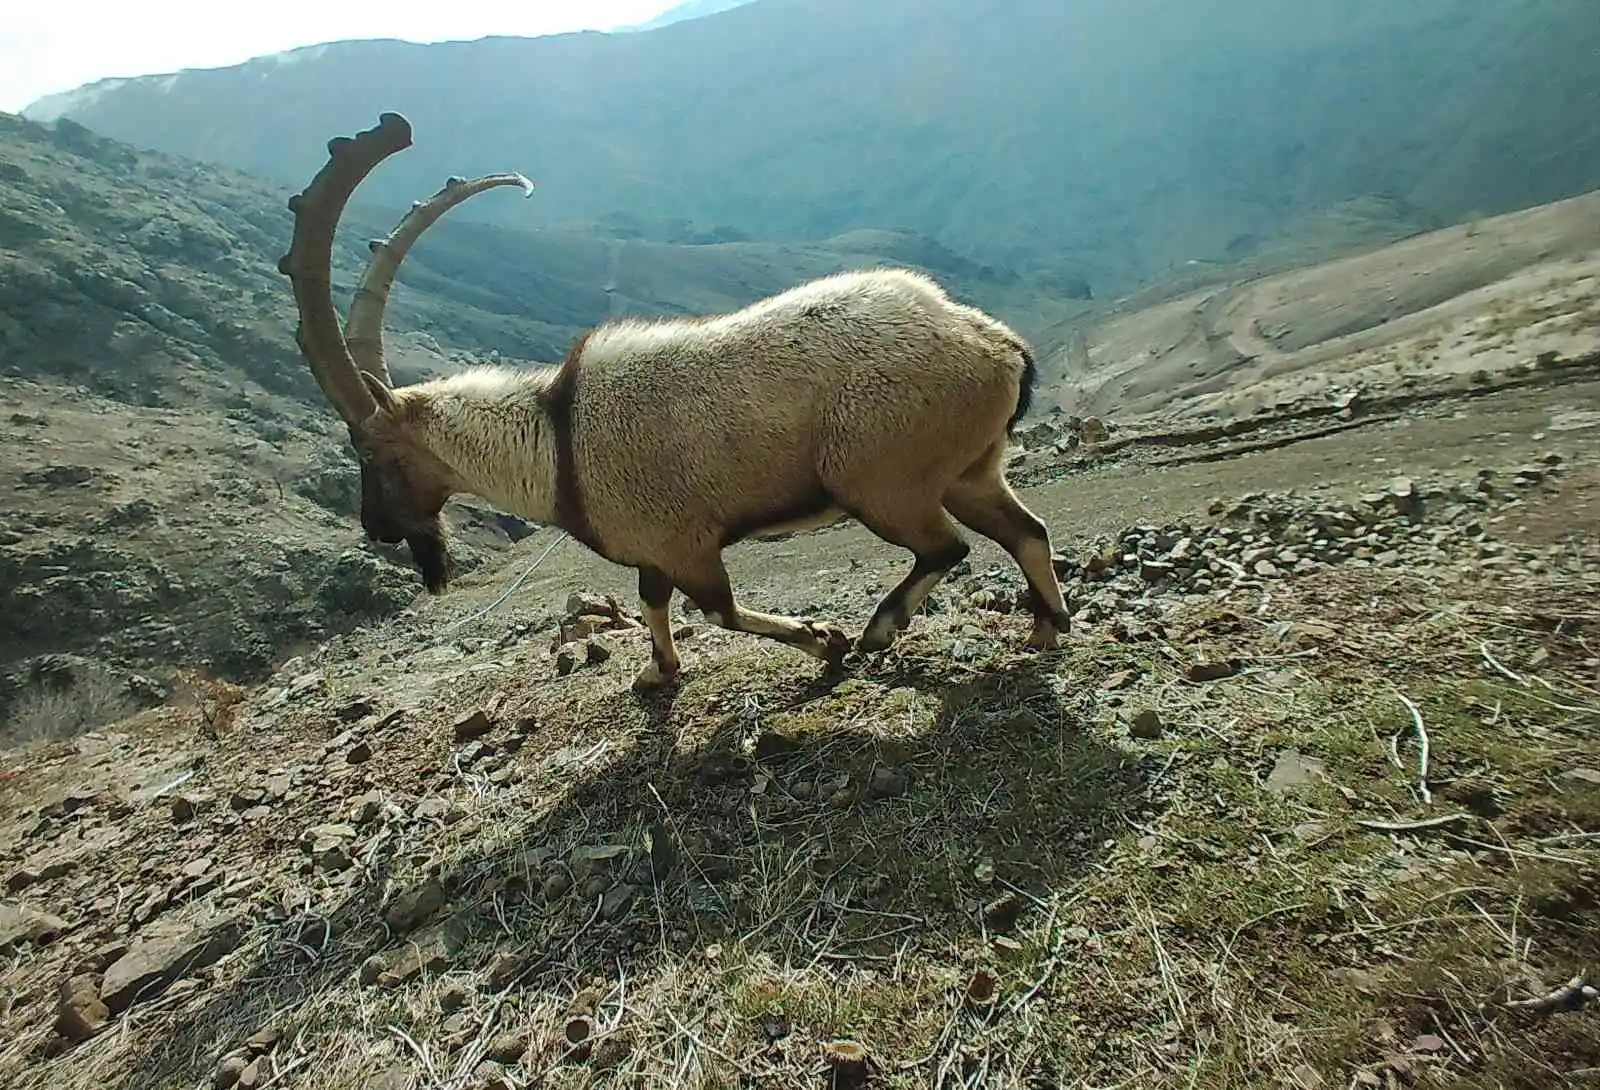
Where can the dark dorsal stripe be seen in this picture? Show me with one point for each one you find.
(561, 400)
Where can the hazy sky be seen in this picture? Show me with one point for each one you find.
(55, 45)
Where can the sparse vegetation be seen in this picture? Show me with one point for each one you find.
(57, 708)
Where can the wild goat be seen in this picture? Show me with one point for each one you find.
(659, 443)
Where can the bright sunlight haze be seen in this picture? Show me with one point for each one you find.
(49, 48)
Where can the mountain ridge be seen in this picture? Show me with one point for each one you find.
(1115, 142)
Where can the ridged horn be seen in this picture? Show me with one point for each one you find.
(309, 262)
(365, 326)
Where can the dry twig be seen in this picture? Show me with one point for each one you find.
(1572, 995)
(1412, 826)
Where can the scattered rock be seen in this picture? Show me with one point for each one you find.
(1212, 671)
(164, 952)
(472, 727)
(428, 954)
(415, 906)
(314, 683)
(366, 808)
(580, 602)
(886, 783)
(454, 997)
(507, 1048)
(556, 885)
(982, 987)
(1153, 571)
(598, 859)
(229, 1072)
(246, 798)
(771, 747)
(263, 1040)
(80, 1012)
(614, 905)
(20, 924)
(1003, 912)
(184, 807)
(1119, 679)
(1146, 724)
(1292, 770)
(1403, 496)
(437, 808)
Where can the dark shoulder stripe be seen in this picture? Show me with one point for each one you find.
(561, 400)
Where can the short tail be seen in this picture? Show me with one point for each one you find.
(1030, 378)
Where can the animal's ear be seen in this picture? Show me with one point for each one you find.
(387, 402)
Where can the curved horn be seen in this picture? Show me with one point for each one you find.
(365, 326)
(308, 264)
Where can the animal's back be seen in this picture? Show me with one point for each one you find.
(894, 326)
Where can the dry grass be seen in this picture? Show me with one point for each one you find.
(49, 711)
(1172, 918)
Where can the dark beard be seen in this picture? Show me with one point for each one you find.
(433, 561)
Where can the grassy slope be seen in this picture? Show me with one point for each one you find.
(136, 273)
(1474, 298)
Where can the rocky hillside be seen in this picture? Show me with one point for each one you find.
(1111, 141)
(152, 279)
(1267, 820)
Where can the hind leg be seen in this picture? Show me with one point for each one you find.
(937, 547)
(982, 500)
(704, 581)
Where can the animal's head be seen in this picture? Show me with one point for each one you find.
(403, 487)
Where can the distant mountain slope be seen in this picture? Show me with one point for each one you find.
(1113, 139)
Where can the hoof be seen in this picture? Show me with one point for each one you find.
(831, 643)
(879, 636)
(871, 642)
(1045, 637)
(652, 678)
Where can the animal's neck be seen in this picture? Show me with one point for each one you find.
(492, 430)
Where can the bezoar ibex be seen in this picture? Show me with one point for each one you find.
(658, 443)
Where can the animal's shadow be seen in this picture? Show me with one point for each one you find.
(852, 830)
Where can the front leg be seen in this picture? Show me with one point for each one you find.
(655, 595)
(706, 584)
